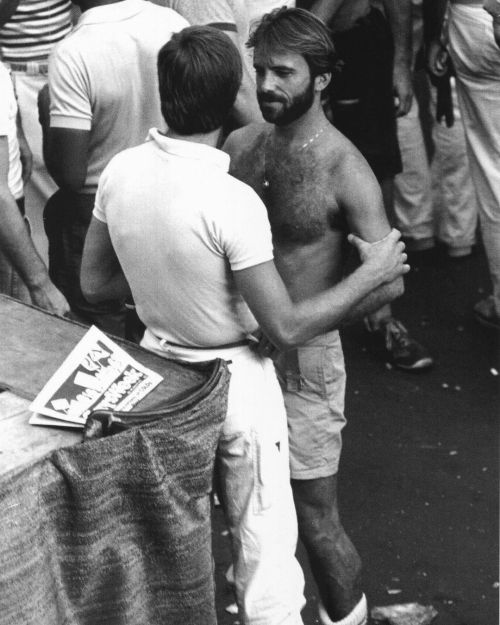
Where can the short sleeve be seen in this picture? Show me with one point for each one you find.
(69, 92)
(245, 232)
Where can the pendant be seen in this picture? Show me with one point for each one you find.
(265, 183)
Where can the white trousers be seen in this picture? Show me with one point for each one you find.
(436, 200)
(253, 469)
(476, 57)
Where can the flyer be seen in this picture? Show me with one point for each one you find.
(97, 374)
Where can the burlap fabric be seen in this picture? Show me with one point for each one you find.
(116, 530)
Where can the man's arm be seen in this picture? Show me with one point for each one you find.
(360, 198)
(66, 117)
(287, 323)
(325, 9)
(433, 14)
(24, 150)
(101, 275)
(18, 247)
(399, 16)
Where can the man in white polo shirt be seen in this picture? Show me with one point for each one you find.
(102, 78)
(195, 248)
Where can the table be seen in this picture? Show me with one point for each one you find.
(114, 530)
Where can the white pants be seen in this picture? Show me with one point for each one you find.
(40, 186)
(476, 57)
(436, 200)
(252, 463)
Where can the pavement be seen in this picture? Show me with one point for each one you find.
(418, 482)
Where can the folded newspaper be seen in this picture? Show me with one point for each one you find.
(97, 374)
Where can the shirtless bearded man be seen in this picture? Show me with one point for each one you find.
(316, 187)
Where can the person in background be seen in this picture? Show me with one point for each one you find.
(207, 280)
(29, 29)
(17, 252)
(476, 58)
(372, 88)
(231, 17)
(434, 200)
(101, 80)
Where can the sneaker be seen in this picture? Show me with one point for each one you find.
(485, 313)
(400, 349)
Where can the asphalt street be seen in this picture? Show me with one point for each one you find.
(419, 471)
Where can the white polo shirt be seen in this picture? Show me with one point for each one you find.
(8, 128)
(103, 77)
(179, 224)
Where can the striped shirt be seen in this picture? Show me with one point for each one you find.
(34, 28)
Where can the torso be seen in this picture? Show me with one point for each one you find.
(307, 223)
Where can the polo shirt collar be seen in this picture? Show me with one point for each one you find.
(190, 150)
(114, 12)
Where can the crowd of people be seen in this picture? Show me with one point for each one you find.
(201, 166)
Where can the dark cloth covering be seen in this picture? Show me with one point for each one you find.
(117, 530)
(366, 54)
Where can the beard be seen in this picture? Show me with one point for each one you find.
(288, 112)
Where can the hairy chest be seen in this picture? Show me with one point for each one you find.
(298, 191)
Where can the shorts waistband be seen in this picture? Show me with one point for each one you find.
(31, 68)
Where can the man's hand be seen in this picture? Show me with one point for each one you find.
(493, 8)
(437, 59)
(49, 298)
(403, 89)
(386, 258)
(261, 345)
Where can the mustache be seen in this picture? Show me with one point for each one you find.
(270, 97)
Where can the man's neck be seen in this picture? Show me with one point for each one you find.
(303, 128)
(210, 138)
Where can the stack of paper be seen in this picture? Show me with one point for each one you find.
(97, 374)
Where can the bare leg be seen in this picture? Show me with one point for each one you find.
(335, 563)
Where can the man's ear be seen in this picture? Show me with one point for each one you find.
(321, 81)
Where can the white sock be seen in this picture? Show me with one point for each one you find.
(357, 616)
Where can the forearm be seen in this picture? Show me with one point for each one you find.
(17, 245)
(380, 296)
(101, 287)
(399, 16)
(325, 9)
(326, 311)
(433, 14)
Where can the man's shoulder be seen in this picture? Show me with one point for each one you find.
(245, 137)
(341, 155)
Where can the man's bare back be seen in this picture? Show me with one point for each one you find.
(304, 190)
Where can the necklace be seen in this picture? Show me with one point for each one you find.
(265, 182)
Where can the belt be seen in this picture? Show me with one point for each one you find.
(164, 344)
(32, 68)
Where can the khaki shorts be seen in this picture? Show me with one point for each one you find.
(312, 379)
